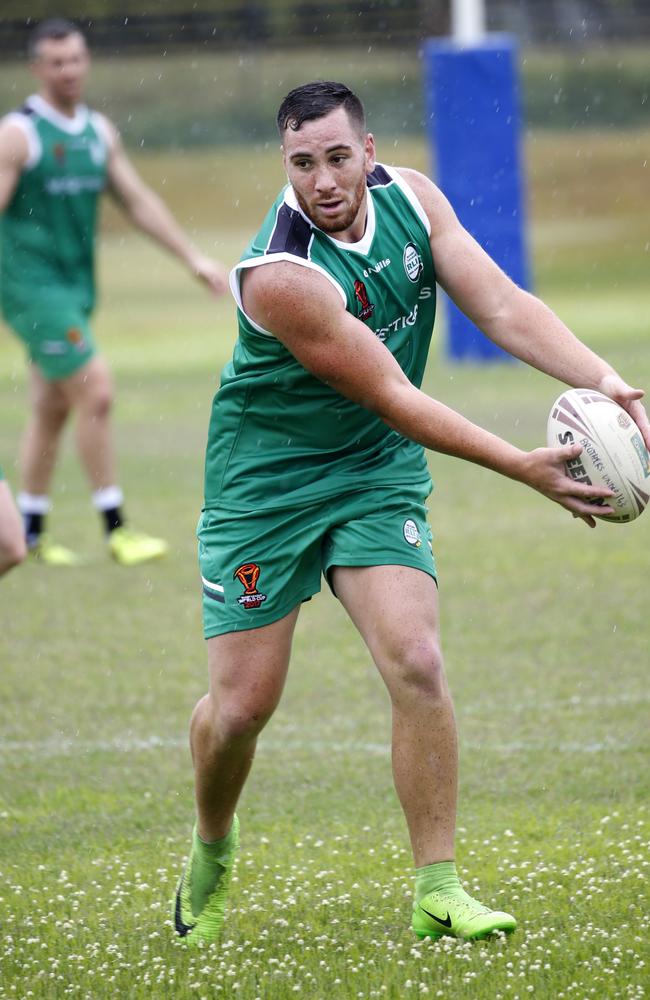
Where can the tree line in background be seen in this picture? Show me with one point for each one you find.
(127, 25)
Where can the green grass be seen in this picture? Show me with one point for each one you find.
(544, 626)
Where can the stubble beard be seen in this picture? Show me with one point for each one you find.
(338, 225)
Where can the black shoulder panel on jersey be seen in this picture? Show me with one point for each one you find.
(26, 110)
(379, 177)
(292, 234)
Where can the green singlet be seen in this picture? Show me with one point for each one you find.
(48, 235)
(299, 478)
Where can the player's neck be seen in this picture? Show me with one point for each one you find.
(66, 108)
(355, 232)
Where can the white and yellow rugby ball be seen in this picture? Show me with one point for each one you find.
(613, 451)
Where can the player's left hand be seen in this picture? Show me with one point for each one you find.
(211, 272)
(630, 399)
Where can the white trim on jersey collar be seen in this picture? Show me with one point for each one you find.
(408, 191)
(73, 126)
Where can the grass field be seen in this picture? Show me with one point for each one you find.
(546, 637)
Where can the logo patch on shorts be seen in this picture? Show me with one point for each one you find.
(411, 533)
(248, 574)
(53, 347)
(75, 337)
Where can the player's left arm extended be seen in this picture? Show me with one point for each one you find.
(513, 318)
(150, 214)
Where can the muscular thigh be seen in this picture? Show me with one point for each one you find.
(395, 608)
(251, 666)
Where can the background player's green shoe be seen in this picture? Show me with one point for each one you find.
(205, 925)
(130, 547)
(52, 554)
(458, 915)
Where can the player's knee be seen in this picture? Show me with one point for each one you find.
(241, 718)
(51, 408)
(100, 401)
(12, 552)
(419, 668)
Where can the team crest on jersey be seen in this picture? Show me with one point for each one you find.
(412, 262)
(367, 308)
(59, 152)
(248, 574)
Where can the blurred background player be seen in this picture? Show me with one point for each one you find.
(12, 539)
(56, 158)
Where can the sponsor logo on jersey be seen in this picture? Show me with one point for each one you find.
(412, 262)
(411, 533)
(73, 185)
(407, 319)
(367, 308)
(376, 268)
(398, 324)
(248, 574)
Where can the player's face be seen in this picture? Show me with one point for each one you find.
(61, 66)
(327, 161)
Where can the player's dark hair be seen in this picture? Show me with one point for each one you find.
(317, 99)
(53, 27)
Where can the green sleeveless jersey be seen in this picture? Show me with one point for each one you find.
(48, 228)
(278, 436)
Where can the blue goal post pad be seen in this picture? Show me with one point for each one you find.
(474, 124)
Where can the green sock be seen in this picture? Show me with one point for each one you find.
(208, 865)
(439, 877)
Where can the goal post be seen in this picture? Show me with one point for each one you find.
(473, 123)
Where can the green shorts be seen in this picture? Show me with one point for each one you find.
(256, 566)
(56, 332)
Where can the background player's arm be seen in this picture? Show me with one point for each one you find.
(510, 316)
(150, 214)
(304, 311)
(13, 156)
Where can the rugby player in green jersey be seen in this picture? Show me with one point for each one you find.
(315, 466)
(12, 538)
(56, 159)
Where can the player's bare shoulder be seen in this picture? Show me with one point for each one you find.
(283, 295)
(283, 282)
(14, 156)
(14, 145)
(433, 201)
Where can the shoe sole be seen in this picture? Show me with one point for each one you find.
(478, 936)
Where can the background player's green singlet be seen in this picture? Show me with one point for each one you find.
(48, 228)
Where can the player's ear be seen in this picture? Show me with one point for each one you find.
(370, 154)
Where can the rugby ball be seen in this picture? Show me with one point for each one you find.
(613, 451)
